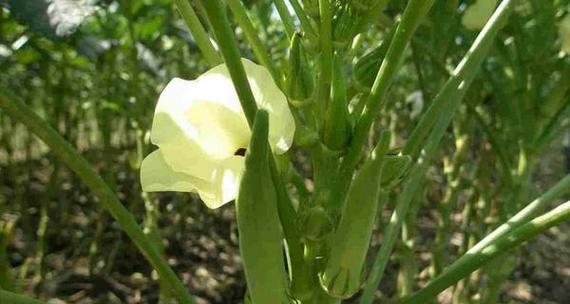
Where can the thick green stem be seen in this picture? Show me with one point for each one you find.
(303, 19)
(229, 48)
(198, 32)
(470, 62)
(250, 32)
(528, 212)
(474, 259)
(286, 18)
(325, 34)
(62, 149)
(414, 13)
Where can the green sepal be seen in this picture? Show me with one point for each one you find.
(342, 275)
(367, 67)
(300, 85)
(258, 222)
(337, 127)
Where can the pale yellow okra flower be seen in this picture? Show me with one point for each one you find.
(564, 34)
(478, 13)
(202, 133)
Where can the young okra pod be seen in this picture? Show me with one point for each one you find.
(258, 222)
(299, 82)
(342, 274)
(337, 131)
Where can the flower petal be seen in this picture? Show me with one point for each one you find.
(207, 111)
(180, 152)
(199, 126)
(156, 175)
(225, 183)
(269, 97)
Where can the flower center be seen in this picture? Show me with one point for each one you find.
(240, 152)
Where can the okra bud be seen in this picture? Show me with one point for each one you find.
(258, 222)
(367, 67)
(342, 274)
(354, 17)
(345, 24)
(299, 82)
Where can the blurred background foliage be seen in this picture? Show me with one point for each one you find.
(94, 70)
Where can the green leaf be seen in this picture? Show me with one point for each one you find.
(52, 18)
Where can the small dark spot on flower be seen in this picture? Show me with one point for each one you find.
(240, 152)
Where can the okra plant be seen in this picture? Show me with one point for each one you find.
(488, 84)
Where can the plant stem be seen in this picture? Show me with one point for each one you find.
(414, 13)
(250, 32)
(528, 212)
(286, 18)
(229, 48)
(325, 34)
(470, 62)
(62, 149)
(454, 167)
(303, 18)
(198, 32)
(230, 52)
(474, 259)
(454, 91)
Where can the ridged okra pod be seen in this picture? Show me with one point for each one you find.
(342, 274)
(258, 222)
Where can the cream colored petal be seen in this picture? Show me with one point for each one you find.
(207, 112)
(199, 125)
(225, 183)
(220, 132)
(180, 152)
(269, 97)
(156, 175)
